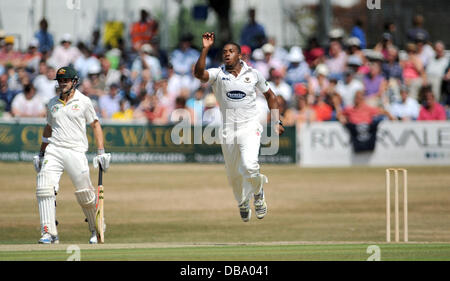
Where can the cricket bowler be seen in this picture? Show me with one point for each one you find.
(63, 148)
(234, 84)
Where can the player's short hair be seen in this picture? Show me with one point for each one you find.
(238, 47)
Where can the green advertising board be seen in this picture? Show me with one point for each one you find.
(138, 143)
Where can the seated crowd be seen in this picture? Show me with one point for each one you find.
(338, 82)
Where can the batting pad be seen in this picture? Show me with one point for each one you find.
(87, 200)
(45, 194)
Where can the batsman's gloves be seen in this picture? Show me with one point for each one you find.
(102, 159)
(37, 161)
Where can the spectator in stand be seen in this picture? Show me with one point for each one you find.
(258, 59)
(374, 83)
(391, 67)
(96, 44)
(183, 60)
(354, 48)
(125, 112)
(127, 92)
(290, 114)
(174, 83)
(430, 109)
(160, 54)
(93, 85)
(19, 78)
(246, 54)
(161, 89)
(152, 110)
(360, 112)
(417, 28)
(108, 74)
(347, 88)
(323, 111)
(9, 56)
(405, 109)
(253, 34)
(45, 83)
(413, 71)
(280, 87)
(143, 30)
(424, 50)
(336, 34)
(393, 73)
(110, 103)
(337, 60)
(358, 32)
(384, 45)
(85, 61)
(304, 111)
(318, 84)
(361, 121)
(357, 65)
(32, 57)
(181, 113)
(279, 53)
(436, 69)
(185, 56)
(391, 28)
(45, 38)
(119, 55)
(211, 113)
(196, 105)
(64, 54)
(6, 94)
(144, 83)
(314, 54)
(27, 104)
(146, 60)
(268, 62)
(298, 70)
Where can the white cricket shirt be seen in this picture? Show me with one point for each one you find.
(237, 95)
(68, 121)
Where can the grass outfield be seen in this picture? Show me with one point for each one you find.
(301, 252)
(187, 212)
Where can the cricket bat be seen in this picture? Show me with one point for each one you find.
(99, 216)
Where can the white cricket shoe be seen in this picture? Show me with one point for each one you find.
(47, 238)
(260, 205)
(245, 211)
(93, 239)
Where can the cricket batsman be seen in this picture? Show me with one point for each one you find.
(63, 148)
(234, 85)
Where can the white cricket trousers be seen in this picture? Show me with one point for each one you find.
(240, 148)
(56, 161)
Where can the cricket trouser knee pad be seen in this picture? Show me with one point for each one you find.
(87, 200)
(45, 194)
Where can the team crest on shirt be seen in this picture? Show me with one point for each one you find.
(55, 109)
(236, 95)
(75, 107)
(247, 79)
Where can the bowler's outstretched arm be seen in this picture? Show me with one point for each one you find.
(199, 70)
